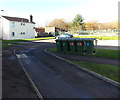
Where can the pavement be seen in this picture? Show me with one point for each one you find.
(15, 84)
(89, 59)
(108, 42)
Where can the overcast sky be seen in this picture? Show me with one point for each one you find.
(44, 11)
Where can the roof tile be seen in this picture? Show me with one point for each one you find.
(16, 19)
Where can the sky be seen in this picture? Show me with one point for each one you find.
(44, 11)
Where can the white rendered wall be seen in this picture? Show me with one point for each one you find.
(5, 28)
(28, 29)
(0, 28)
(49, 29)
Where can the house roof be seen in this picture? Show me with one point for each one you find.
(16, 19)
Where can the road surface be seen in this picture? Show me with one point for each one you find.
(57, 79)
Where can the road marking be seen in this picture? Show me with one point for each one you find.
(21, 55)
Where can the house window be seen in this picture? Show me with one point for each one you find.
(13, 24)
(22, 33)
(23, 24)
(13, 33)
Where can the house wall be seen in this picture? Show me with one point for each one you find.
(49, 29)
(39, 30)
(21, 30)
(24, 31)
(0, 28)
(5, 28)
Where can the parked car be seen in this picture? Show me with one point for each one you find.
(64, 35)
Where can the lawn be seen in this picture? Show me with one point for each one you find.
(13, 41)
(109, 71)
(107, 53)
(42, 38)
(22, 40)
(9, 43)
(16, 42)
(104, 53)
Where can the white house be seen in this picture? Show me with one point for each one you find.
(16, 28)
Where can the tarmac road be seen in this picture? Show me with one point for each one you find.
(57, 79)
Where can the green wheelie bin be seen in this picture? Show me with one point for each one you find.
(59, 45)
(89, 45)
(72, 45)
(80, 45)
(65, 45)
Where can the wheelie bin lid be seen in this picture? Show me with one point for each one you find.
(57, 40)
(79, 39)
(89, 39)
(71, 39)
(63, 39)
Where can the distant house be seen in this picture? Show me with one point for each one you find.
(47, 31)
(39, 30)
(16, 28)
(51, 29)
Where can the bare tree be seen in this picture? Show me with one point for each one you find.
(59, 23)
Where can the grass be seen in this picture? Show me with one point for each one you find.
(16, 42)
(100, 37)
(107, 53)
(104, 53)
(13, 44)
(109, 71)
(43, 38)
(12, 41)
(5, 45)
(53, 50)
(22, 40)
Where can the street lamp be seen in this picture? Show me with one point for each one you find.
(2, 22)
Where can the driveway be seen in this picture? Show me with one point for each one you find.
(57, 79)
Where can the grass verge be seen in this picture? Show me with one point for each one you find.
(103, 53)
(25, 40)
(109, 71)
(107, 53)
(13, 44)
(16, 42)
(42, 38)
